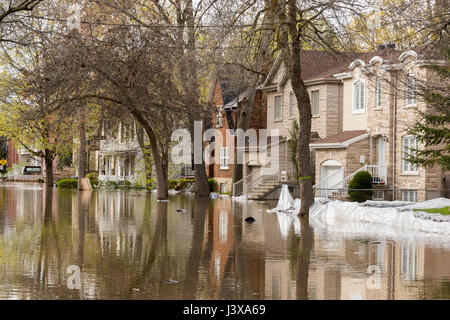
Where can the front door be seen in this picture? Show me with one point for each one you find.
(333, 176)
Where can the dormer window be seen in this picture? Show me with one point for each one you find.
(410, 91)
(359, 101)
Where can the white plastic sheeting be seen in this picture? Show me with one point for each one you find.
(405, 220)
(430, 204)
(371, 218)
(285, 221)
(286, 203)
(242, 197)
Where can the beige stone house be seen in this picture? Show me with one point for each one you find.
(362, 106)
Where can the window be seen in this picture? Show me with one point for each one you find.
(278, 110)
(409, 195)
(315, 103)
(410, 90)
(408, 262)
(409, 143)
(378, 94)
(358, 97)
(291, 104)
(378, 195)
(224, 158)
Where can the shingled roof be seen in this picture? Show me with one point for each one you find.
(340, 138)
(318, 64)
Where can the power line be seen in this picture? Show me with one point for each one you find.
(109, 24)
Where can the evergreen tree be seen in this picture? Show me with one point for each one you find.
(433, 127)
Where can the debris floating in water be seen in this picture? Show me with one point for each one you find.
(250, 219)
(213, 195)
(171, 281)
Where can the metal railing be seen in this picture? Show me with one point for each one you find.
(240, 187)
(323, 182)
(378, 173)
(256, 179)
(387, 194)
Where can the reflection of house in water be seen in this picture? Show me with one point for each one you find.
(377, 270)
(119, 219)
(222, 241)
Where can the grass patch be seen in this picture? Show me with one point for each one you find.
(444, 211)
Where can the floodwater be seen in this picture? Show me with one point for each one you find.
(128, 246)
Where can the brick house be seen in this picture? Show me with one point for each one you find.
(227, 100)
(362, 106)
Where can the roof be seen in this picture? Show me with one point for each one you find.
(342, 139)
(232, 82)
(318, 64)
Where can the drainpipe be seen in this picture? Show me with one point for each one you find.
(394, 135)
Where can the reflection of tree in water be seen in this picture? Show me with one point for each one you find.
(156, 248)
(195, 255)
(304, 257)
(49, 241)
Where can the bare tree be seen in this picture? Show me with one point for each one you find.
(17, 6)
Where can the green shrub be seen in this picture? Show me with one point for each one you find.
(67, 184)
(172, 184)
(110, 184)
(183, 183)
(92, 175)
(361, 180)
(94, 182)
(149, 184)
(125, 183)
(138, 186)
(213, 185)
(179, 184)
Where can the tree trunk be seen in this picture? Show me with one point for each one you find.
(48, 170)
(162, 173)
(147, 154)
(201, 187)
(201, 180)
(292, 58)
(82, 149)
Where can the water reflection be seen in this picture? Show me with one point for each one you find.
(129, 246)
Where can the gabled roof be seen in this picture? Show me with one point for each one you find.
(340, 140)
(231, 82)
(317, 64)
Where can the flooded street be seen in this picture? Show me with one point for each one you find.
(129, 246)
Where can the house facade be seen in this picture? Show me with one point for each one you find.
(227, 102)
(23, 166)
(362, 106)
(120, 157)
